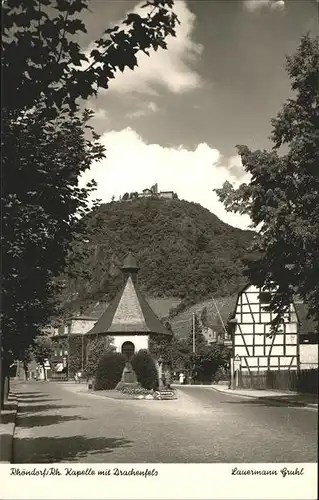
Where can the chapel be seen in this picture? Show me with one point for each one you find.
(129, 319)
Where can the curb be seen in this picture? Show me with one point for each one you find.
(268, 398)
(7, 430)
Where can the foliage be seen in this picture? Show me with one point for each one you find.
(134, 388)
(145, 369)
(96, 348)
(282, 197)
(75, 354)
(42, 350)
(44, 63)
(222, 374)
(208, 361)
(109, 371)
(40, 214)
(181, 355)
(162, 235)
(203, 317)
(45, 140)
(200, 340)
(160, 346)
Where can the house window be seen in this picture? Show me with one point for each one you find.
(309, 338)
(265, 297)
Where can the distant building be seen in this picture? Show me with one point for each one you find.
(146, 193)
(216, 335)
(169, 195)
(154, 193)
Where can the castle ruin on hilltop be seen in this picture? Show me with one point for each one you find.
(151, 192)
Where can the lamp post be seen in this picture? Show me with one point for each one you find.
(231, 322)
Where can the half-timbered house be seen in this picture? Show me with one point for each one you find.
(252, 342)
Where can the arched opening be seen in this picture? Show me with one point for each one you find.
(128, 349)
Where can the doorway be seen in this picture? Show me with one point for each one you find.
(128, 350)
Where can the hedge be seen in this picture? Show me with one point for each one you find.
(109, 371)
(145, 369)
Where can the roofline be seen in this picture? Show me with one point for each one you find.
(82, 317)
(123, 334)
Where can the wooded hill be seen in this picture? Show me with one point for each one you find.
(184, 251)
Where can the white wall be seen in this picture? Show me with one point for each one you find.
(308, 355)
(139, 341)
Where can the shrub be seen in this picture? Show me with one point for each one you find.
(109, 371)
(145, 369)
(222, 374)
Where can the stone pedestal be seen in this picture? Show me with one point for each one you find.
(128, 375)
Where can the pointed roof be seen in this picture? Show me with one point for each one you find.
(130, 262)
(129, 313)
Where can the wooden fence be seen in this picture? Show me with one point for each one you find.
(306, 381)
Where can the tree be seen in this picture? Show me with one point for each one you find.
(43, 63)
(96, 348)
(181, 354)
(42, 350)
(26, 359)
(208, 361)
(44, 142)
(204, 317)
(40, 215)
(200, 340)
(282, 197)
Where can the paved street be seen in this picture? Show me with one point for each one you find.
(57, 423)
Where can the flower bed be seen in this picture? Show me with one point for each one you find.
(134, 389)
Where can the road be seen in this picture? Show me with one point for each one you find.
(57, 423)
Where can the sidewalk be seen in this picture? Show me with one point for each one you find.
(293, 398)
(7, 427)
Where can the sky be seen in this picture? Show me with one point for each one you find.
(177, 118)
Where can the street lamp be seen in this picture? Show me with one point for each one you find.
(232, 322)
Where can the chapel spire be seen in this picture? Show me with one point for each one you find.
(130, 268)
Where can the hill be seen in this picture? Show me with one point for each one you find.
(184, 252)
(181, 323)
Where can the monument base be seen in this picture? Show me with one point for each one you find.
(128, 375)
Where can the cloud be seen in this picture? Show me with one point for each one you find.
(132, 165)
(99, 113)
(235, 168)
(253, 5)
(169, 68)
(145, 109)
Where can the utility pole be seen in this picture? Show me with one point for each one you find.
(1, 372)
(194, 344)
(82, 352)
(68, 357)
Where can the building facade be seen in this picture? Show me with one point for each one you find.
(129, 319)
(253, 343)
